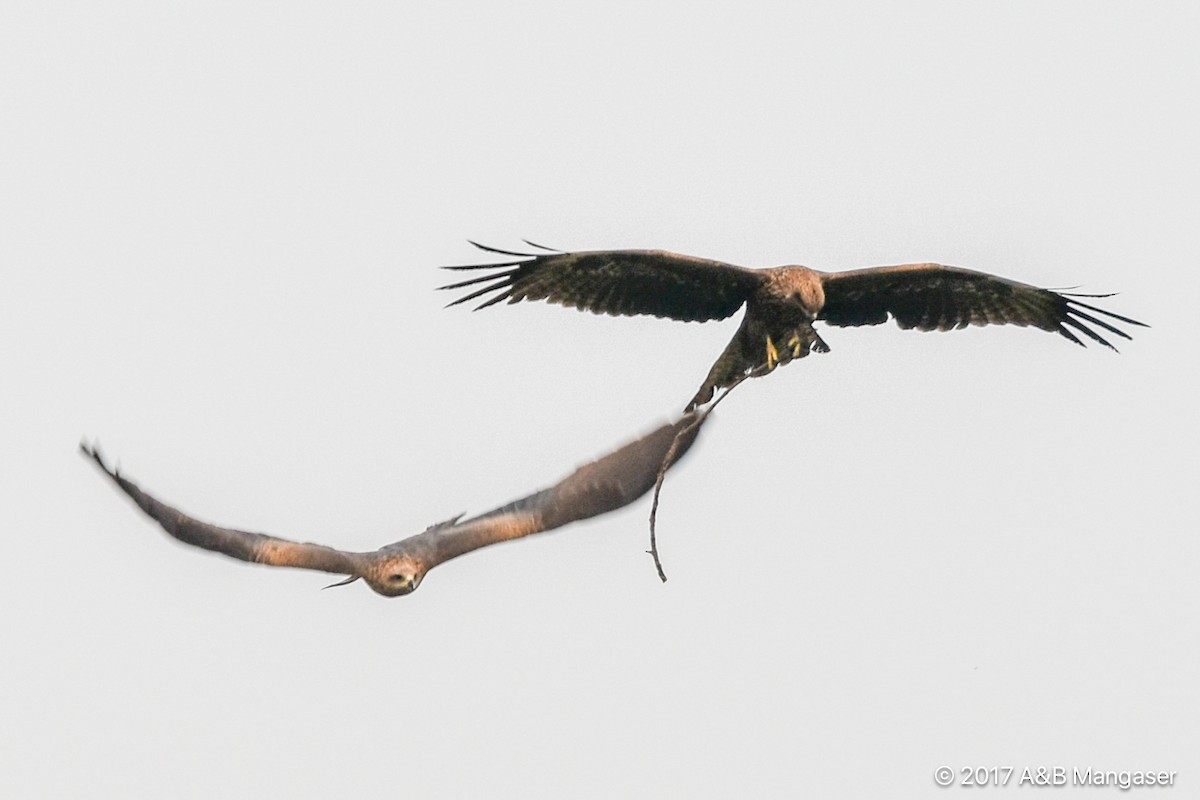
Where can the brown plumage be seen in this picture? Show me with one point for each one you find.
(781, 302)
(614, 481)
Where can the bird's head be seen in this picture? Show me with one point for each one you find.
(395, 576)
(800, 285)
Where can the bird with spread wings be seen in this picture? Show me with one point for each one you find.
(782, 303)
(612, 482)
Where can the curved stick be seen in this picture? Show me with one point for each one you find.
(668, 460)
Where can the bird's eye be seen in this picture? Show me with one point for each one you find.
(398, 578)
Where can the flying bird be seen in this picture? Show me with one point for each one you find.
(782, 303)
(614, 481)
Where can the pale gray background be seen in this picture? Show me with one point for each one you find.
(219, 227)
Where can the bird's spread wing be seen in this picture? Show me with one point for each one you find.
(605, 485)
(614, 481)
(933, 297)
(254, 547)
(618, 282)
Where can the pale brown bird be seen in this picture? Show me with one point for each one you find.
(782, 303)
(614, 481)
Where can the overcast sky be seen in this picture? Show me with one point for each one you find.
(219, 224)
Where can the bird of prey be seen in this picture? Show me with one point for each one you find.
(782, 303)
(614, 481)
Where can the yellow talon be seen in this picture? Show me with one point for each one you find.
(797, 346)
(772, 355)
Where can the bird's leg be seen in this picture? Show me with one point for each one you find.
(772, 354)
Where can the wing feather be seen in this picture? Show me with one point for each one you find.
(936, 297)
(617, 282)
(243, 545)
(614, 481)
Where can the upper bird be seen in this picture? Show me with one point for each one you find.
(782, 303)
(613, 481)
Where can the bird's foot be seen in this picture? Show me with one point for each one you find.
(797, 345)
(772, 355)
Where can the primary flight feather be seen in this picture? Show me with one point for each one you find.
(782, 303)
(614, 481)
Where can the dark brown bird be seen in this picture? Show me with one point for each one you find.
(782, 303)
(612, 482)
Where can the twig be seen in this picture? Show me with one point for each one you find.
(666, 463)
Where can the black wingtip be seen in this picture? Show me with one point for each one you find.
(1097, 321)
(92, 451)
(543, 247)
(1067, 293)
(487, 249)
(487, 266)
(501, 276)
(351, 579)
(1107, 313)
